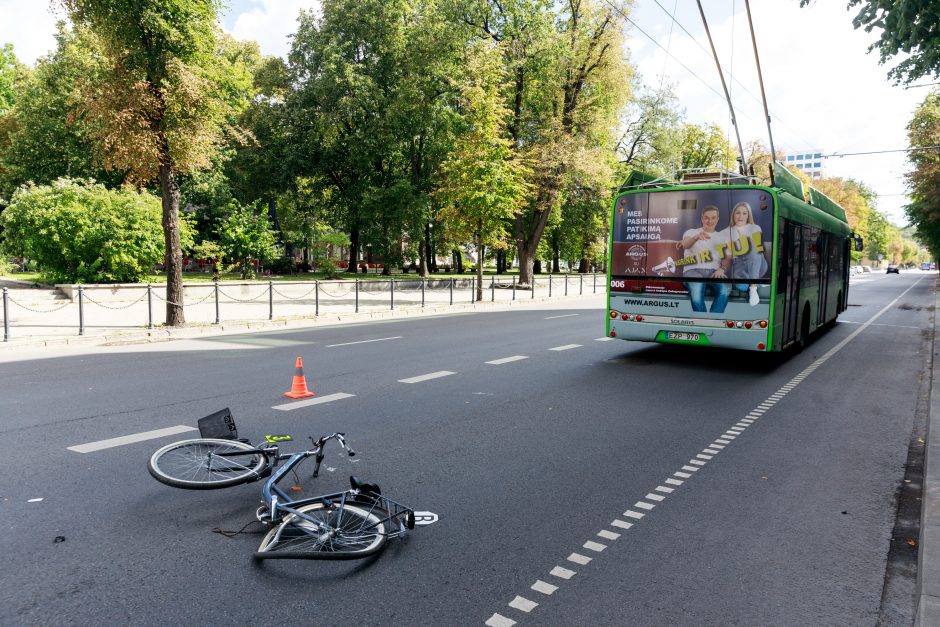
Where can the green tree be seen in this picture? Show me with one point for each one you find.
(482, 183)
(651, 138)
(164, 103)
(568, 82)
(41, 139)
(923, 132)
(907, 28)
(79, 231)
(705, 146)
(12, 73)
(245, 236)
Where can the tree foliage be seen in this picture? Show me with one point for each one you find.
(80, 231)
(245, 236)
(908, 28)
(923, 133)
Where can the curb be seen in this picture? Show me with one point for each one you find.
(927, 595)
(146, 336)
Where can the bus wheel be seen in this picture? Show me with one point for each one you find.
(804, 330)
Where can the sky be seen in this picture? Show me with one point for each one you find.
(826, 93)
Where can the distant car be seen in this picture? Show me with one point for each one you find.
(893, 269)
(925, 266)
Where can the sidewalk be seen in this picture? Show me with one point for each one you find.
(928, 563)
(113, 316)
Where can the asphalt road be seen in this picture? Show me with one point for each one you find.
(527, 463)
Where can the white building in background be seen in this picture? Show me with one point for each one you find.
(809, 161)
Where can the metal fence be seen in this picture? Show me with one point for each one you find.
(104, 306)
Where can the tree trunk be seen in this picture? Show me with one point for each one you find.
(583, 266)
(429, 249)
(173, 263)
(353, 251)
(536, 266)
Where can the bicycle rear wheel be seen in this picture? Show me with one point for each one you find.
(199, 464)
(352, 533)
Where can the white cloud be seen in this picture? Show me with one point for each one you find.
(824, 90)
(271, 22)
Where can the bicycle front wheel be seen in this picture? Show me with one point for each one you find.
(205, 464)
(350, 532)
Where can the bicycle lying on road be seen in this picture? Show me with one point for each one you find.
(351, 524)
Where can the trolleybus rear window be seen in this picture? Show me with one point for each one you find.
(690, 234)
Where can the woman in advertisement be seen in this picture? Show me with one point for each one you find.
(702, 259)
(747, 250)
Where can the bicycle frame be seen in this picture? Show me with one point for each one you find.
(279, 503)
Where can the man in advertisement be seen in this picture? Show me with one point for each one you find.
(702, 258)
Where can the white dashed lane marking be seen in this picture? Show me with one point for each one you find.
(91, 447)
(316, 400)
(427, 377)
(727, 438)
(506, 360)
(381, 339)
(562, 316)
(565, 347)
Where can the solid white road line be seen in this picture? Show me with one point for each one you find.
(130, 439)
(562, 316)
(603, 339)
(381, 339)
(316, 400)
(565, 347)
(506, 360)
(427, 377)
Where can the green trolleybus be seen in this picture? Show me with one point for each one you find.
(717, 260)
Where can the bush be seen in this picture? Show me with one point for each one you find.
(79, 231)
(282, 265)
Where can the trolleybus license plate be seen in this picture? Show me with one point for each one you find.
(682, 335)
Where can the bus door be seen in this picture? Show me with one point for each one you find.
(792, 262)
(822, 245)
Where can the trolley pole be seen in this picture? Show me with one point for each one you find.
(270, 300)
(81, 311)
(6, 318)
(149, 306)
(216, 302)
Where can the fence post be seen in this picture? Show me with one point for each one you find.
(566, 284)
(493, 289)
(216, 302)
(514, 287)
(270, 300)
(532, 286)
(422, 291)
(594, 281)
(580, 284)
(357, 295)
(6, 318)
(316, 297)
(473, 289)
(392, 283)
(452, 281)
(549, 285)
(81, 311)
(149, 306)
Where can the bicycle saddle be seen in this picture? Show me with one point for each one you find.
(369, 488)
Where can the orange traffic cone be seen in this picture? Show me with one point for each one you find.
(298, 388)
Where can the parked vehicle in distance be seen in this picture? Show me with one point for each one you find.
(925, 266)
(893, 269)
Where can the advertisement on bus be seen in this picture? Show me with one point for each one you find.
(693, 254)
